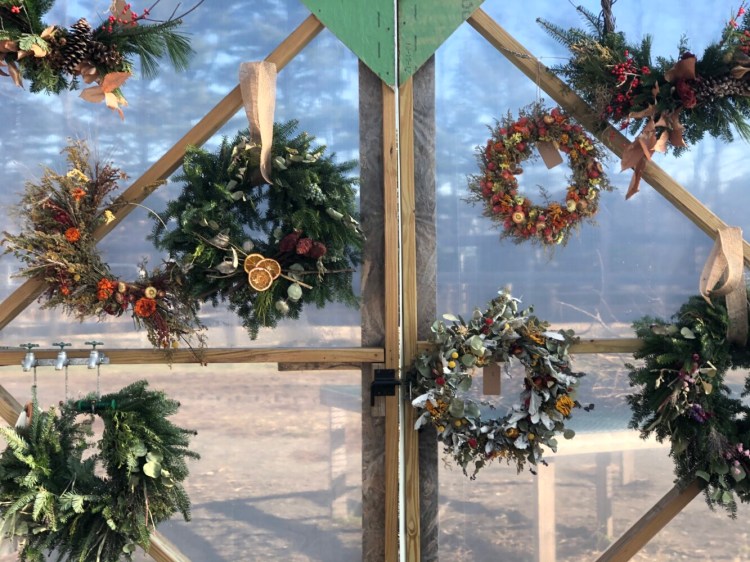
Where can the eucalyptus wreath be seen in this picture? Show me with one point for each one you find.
(55, 497)
(682, 398)
(266, 249)
(470, 431)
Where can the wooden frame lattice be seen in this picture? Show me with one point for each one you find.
(399, 202)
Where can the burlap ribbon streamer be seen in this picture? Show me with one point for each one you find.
(258, 87)
(725, 267)
(637, 154)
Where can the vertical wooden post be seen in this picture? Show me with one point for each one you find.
(426, 254)
(604, 483)
(373, 308)
(409, 304)
(545, 543)
(392, 333)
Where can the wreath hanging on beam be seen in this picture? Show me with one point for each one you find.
(512, 143)
(59, 216)
(682, 394)
(55, 58)
(267, 249)
(94, 508)
(503, 333)
(666, 102)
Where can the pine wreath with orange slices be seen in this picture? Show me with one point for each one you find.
(265, 249)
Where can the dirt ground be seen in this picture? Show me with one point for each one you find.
(280, 480)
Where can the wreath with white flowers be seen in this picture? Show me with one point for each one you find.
(94, 508)
(503, 333)
(682, 398)
(511, 143)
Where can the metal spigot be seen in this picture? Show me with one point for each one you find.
(29, 360)
(95, 357)
(62, 358)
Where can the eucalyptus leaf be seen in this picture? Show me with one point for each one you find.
(569, 434)
(472, 410)
(703, 474)
(456, 409)
(464, 384)
(468, 360)
(687, 333)
(450, 317)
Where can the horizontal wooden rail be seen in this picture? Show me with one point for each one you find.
(327, 355)
(171, 160)
(607, 345)
(517, 54)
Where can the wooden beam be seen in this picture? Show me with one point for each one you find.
(409, 311)
(163, 550)
(392, 334)
(170, 161)
(651, 523)
(229, 355)
(607, 345)
(517, 54)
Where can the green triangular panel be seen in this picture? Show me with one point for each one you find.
(366, 27)
(424, 25)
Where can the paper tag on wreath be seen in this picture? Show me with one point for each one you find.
(549, 153)
(258, 87)
(491, 379)
(725, 267)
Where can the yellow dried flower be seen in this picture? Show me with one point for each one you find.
(109, 216)
(77, 174)
(564, 405)
(150, 292)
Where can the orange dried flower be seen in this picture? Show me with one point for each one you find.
(144, 307)
(78, 194)
(105, 289)
(72, 234)
(65, 290)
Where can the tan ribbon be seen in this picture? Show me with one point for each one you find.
(637, 154)
(725, 266)
(258, 87)
(549, 153)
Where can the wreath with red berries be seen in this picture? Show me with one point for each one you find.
(265, 249)
(512, 142)
(504, 333)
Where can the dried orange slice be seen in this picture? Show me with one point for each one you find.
(252, 260)
(260, 279)
(271, 265)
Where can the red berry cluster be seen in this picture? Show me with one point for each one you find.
(126, 18)
(628, 79)
(307, 247)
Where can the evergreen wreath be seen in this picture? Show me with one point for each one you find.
(265, 249)
(511, 143)
(503, 333)
(54, 497)
(54, 58)
(619, 79)
(56, 243)
(682, 398)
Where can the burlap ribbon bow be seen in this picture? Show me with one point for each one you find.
(724, 275)
(258, 87)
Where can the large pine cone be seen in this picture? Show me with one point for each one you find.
(77, 45)
(106, 56)
(717, 87)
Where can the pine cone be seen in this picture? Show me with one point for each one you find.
(317, 251)
(304, 246)
(77, 45)
(717, 87)
(289, 242)
(106, 56)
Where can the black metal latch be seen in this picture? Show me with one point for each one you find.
(384, 384)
